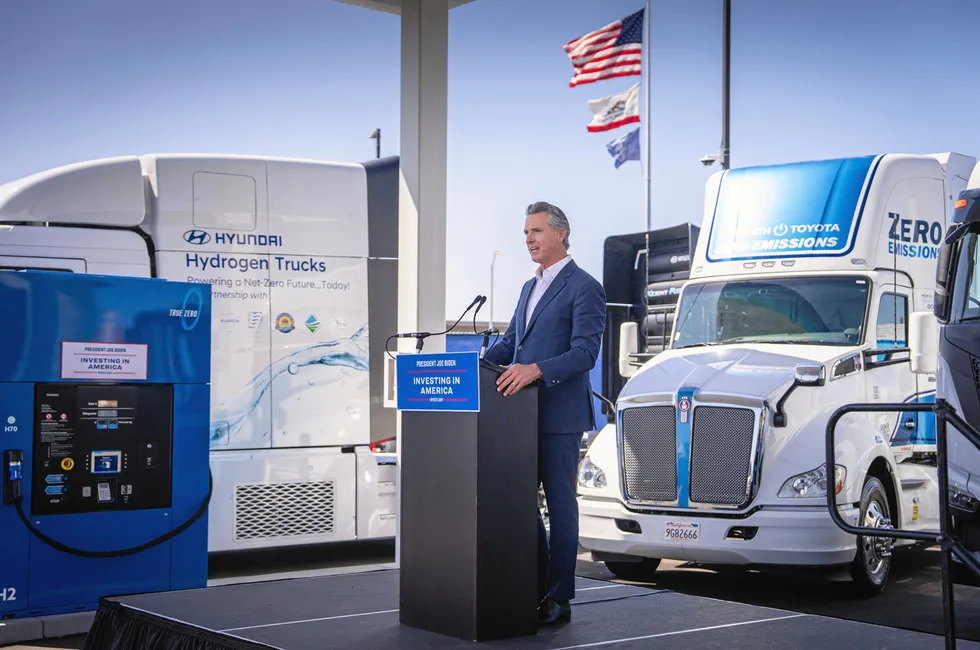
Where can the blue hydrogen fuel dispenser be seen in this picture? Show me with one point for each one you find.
(104, 418)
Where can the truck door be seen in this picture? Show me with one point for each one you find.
(17, 263)
(889, 377)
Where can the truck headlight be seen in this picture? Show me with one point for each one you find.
(813, 483)
(591, 475)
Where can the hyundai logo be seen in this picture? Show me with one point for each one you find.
(198, 237)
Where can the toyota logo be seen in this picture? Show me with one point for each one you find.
(198, 237)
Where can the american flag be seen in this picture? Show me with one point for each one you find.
(616, 50)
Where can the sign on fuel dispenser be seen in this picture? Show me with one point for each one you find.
(104, 421)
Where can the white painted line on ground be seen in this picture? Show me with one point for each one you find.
(308, 620)
(384, 611)
(292, 575)
(691, 631)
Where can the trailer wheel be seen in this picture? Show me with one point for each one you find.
(872, 563)
(642, 571)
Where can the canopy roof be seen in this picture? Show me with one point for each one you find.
(393, 6)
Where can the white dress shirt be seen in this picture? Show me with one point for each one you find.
(542, 280)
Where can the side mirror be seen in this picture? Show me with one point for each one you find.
(923, 342)
(810, 374)
(807, 374)
(628, 344)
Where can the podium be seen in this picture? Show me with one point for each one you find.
(468, 481)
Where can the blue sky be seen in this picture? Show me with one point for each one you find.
(313, 78)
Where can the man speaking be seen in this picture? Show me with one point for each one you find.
(553, 339)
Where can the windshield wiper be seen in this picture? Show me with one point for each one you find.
(747, 339)
(697, 345)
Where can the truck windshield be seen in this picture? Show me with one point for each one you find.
(966, 303)
(812, 311)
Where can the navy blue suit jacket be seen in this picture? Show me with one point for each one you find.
(563, 337)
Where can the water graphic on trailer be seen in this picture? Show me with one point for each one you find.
(287, 372)
(349, 354)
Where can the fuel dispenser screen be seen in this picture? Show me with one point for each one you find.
(101, 448)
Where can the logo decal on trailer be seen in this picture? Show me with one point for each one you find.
(285, 323)
(312, 323)
(197, 237)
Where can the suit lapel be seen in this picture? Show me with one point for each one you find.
(522, 308)
(557, 285)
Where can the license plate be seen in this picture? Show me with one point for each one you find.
(682, 531)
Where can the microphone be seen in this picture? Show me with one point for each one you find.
(421, 336)
(486, 340)
(483, 299)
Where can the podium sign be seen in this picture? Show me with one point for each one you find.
(438, 382)
(468, 478)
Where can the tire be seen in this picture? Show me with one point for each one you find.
(643, 571)
(873, 560)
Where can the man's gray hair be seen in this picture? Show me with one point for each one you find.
(556, 218)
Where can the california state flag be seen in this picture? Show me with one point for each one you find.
(616, 110)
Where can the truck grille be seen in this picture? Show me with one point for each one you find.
(650, 453)
(722, 441)
(721, 450)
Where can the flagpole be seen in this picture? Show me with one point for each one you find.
(646, 109)
(726, 52)
(647, 24)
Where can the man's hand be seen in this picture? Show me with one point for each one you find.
(517, 377)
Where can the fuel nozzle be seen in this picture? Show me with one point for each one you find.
(13, 472)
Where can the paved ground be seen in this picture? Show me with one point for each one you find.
(71, 642)
(912, 600)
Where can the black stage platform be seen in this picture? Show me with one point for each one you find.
(359, 611)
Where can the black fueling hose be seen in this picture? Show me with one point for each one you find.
(121, 552)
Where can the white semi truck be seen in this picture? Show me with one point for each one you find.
(301, 257)
(800, 290)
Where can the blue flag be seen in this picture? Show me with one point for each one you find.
(625, 148)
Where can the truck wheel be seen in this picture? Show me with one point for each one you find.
(642, 571)
(873, 560)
